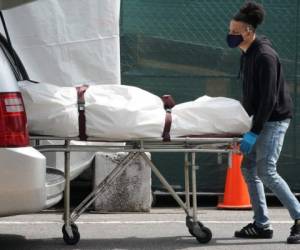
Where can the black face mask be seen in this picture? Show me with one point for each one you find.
(234, 40)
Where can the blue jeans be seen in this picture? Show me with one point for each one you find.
(260, 168)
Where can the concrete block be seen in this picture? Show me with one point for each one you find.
(129, 192)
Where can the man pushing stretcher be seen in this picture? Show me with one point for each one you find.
(266, 98)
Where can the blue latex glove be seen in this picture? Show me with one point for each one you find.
(248, 142)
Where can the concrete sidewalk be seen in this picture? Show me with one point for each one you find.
(160, 229)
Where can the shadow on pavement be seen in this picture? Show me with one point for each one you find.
(17, 242)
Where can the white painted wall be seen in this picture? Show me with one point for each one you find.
(68, 42)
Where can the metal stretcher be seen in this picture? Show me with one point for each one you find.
(190, 146)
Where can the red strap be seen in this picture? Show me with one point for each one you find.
(168, 121)
(169, 103)
(81, 110)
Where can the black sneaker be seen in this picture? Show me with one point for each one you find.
(251, 231)
(295, 234)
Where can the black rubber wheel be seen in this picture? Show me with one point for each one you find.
(191, 229)
(205, 235)
(71, 240)
(191, 232)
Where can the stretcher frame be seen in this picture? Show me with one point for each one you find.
(190, 146)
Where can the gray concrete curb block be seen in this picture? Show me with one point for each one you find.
(129, 192)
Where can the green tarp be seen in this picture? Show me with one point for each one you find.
(178, 47)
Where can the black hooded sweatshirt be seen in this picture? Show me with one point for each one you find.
(265, 92)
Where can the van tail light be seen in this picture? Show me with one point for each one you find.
(13, 121)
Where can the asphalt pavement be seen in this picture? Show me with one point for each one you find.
(160, 229)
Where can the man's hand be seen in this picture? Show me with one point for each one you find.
(248, 142)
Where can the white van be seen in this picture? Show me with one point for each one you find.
(26, 184)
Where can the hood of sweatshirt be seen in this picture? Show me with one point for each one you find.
(258, 42)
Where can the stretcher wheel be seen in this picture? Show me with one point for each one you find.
(200, 232)
(191, 232)
(204, 235)
(193, 225)
(71, 240)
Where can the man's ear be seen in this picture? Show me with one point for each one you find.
(248, 31)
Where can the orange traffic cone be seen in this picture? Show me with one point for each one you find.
(236, 194)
